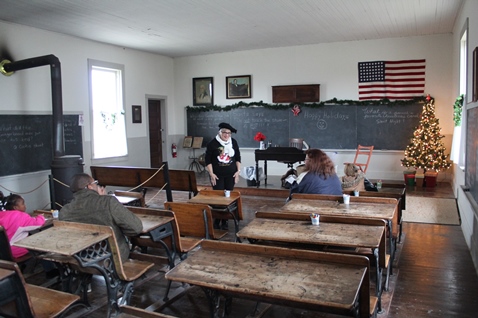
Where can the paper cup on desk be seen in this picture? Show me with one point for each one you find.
(346, 198)
(356, 193)
(315, 218)
(54, 213)
(227, 193)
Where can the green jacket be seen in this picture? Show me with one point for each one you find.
(89, 207)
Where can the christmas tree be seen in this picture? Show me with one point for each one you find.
(426, 151)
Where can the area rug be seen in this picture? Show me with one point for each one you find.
(431, 210)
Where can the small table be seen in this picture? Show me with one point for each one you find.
(305, 279)
(283, 154)
(222, 207)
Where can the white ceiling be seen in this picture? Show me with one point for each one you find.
(194, 27)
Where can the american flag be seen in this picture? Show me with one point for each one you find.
(391, 79)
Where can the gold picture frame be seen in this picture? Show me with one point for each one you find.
(238, 86)
(203, 91)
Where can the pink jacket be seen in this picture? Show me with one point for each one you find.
(17, 224)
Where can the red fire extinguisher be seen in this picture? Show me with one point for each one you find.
(174, 151)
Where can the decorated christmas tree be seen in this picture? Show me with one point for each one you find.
(426, 151)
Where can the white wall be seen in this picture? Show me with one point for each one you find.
(334, 67)
(29, 91)
(467, 208)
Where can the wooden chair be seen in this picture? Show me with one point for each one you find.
(20, 299)
(6, 251)
(296, 142)
(137, 195)
(195, 220)
(362, 157)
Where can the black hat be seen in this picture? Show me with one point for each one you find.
(227, 126)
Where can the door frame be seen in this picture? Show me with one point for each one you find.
(164, 123)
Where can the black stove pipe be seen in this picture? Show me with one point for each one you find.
(62, 167)
(56, 95)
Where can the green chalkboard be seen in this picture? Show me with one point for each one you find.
(325, 127)
(26, 142)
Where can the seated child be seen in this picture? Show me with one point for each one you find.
(17, 224)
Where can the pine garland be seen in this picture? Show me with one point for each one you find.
(333, 101)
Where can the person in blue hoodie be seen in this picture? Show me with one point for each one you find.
(319, 176)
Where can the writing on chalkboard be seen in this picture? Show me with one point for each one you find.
(26, 142)
(327, 127)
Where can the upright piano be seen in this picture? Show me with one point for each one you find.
(287, 155)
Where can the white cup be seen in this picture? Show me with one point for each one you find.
(356, 193)
(227, 193)
(316, 220)
(55, 214)
(346, 199)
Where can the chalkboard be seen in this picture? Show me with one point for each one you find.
(471, 165)
(26, 142)
(327, 127)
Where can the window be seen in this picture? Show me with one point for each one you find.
(107, 110)
(463, 89)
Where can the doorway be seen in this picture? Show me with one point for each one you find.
(155, 133)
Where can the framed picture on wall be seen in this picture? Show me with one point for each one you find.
(203, 91)
(475, 75)
(238, 86)
(136, 109)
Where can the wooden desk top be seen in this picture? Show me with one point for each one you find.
(4, 273)
(357, 209)
(214, 199)
(270, 273)
(296, 231)
(150, 222)
(64, 240)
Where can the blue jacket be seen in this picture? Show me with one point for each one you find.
(317, 184)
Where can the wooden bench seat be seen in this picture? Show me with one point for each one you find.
(20, 299)
(123, 176)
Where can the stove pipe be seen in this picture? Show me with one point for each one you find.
(56, 95)
(63, 167)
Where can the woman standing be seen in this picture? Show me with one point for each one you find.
(319, 176)
(223, 161)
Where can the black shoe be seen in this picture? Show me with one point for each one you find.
(217, 224)
(225, 225)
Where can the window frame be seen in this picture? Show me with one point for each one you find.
(120, 68)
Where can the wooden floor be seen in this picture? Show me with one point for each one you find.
(435, 273)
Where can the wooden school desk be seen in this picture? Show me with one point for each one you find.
(157, 228)
(84, 243)
(327, 282)
(381, 211)
(221, 207)
(297, 231)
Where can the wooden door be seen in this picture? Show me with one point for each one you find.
(155, 130)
